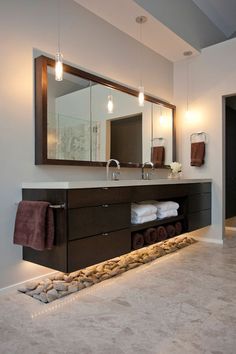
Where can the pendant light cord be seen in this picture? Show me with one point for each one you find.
(140, 55)
(188, 55)
(187, 83)
(140, 20)
(59, 25)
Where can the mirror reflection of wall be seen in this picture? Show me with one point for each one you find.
(69, 118)
(82, 128)
(162, 127)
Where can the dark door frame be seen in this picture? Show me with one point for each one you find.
(224, 97)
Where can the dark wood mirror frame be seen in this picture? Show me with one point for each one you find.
(41, 86)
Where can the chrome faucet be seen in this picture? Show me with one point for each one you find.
(146, 175)
(115, 175)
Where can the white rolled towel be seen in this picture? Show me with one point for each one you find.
(138, 210)
(142, 219)
(167, 213)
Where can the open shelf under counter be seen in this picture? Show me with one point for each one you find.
(155, 223)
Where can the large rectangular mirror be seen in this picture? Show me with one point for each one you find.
(86, 120)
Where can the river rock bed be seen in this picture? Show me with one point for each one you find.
(62, 284)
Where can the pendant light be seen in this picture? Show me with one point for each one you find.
(188, 113)
(110, 104)
(162, 116)
(59, 56)
(140, 20)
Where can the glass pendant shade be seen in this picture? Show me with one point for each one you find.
(141, 96)
(110, 105)
(59, 66)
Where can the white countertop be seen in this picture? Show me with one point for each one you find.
(105, 184)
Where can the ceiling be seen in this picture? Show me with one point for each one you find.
(173, 26)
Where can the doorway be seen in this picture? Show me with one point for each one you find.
(126, 139)
(230, 169)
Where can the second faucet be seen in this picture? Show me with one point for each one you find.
(115, 175)
(147, 175)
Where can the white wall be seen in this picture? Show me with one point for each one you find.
(211, 75)
(88, 42)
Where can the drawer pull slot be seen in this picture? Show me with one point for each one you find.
(105, 234)
(105, 205)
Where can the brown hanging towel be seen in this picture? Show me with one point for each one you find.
(158, 155)
(197, 154)
(34, 225)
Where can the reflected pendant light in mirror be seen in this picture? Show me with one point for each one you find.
(110, 104)
(162, 116)
(141, 96)
(59, 56)
(140, 20)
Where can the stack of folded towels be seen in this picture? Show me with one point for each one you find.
(166, 209)
(151, 210)
(141, 213)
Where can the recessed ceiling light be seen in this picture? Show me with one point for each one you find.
(188, 53)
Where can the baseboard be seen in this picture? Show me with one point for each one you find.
(210, 240)
(230, 228)
(11, 288)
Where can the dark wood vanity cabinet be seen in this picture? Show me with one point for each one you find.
(98, 225)
(95, 223)
(93, 226)
(199, 206)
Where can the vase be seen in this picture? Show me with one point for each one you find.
(175, 175)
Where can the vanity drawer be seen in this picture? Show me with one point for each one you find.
(195, 188)
(95, 249)
(199, 202)
(199, 219)
(83, 222)
(98, 196)
(157, 192)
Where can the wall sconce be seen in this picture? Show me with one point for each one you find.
(140, 20)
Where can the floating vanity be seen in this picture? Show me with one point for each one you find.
(94, 224)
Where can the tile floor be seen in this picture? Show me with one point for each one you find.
(230, 237)
(182, 303)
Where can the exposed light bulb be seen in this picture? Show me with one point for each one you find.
(141, 96)
(59, 66)
(110, 105)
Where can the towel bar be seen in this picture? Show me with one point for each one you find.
(159, 141)
(194, 135)
(57, 206)
(53, 206)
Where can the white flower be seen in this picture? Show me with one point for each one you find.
(175, 167)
